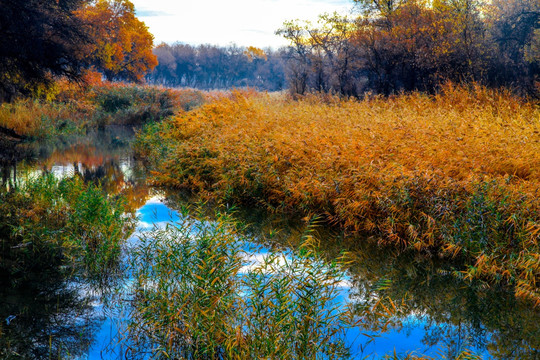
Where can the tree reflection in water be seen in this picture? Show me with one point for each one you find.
(103, 157)
(46, 318)
(51, 316)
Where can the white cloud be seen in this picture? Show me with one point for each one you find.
(244, 22)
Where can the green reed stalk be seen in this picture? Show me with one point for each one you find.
(196, 296)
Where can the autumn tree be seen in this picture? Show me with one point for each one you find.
(321, 55)
(408, 45)
(254, 53)
(39, 39)
(122, 45)
(383, 8)
(298, 55)
(416, 44)
(515, 32)
(469, 33)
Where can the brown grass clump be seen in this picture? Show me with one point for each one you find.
(35, 118)
(455, 173)
(75, 108)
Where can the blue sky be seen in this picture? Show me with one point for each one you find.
(218, 22)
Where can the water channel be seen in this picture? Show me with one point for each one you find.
(438, 314)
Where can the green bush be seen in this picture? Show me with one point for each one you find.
(133, 105)
(66, 225)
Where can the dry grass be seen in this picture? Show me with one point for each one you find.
(34, 118)
(456, 173)
(76, 108)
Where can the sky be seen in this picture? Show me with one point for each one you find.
(223, 22)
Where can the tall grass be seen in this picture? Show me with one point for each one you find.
(201, 292)
(75, 109)
(196, 295)
(41, 119)
(67, 226)
(454, 314)
(455, 174)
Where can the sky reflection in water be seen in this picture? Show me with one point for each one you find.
(409, 338)
(443, 310)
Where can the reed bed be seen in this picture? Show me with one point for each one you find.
(203, 290)
(454, 174)
(66, 226)
(74, 109)
(197, 295)
(40, 119)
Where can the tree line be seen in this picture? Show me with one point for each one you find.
(213, 67)
(41, 40)
(386, 46)
(391, 46)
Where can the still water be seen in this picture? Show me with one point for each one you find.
(437, 314)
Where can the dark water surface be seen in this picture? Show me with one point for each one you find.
(436, 314)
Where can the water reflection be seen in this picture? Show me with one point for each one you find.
(103, 156)
(454, 314)
(49, 316)
(437, 313)
(46, 318)
(11, 153)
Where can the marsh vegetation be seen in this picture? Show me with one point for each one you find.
(423, 240)
(385, 206)
(453, 175)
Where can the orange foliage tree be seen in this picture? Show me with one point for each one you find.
(122, 45)
(414, 44)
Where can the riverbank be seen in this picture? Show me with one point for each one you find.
(455, 174)
(73, 225)
(485, 319)
(61, 226)
(75, 109)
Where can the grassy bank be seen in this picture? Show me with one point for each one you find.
(62, 226)
(456, 174)
(75, 109)
(54, 237)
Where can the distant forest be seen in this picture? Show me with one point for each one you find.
(386, 47)
(210, 67)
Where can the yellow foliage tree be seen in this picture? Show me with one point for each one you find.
(122, 45)
(253, 53)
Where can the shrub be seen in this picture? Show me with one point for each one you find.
(47, 224)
